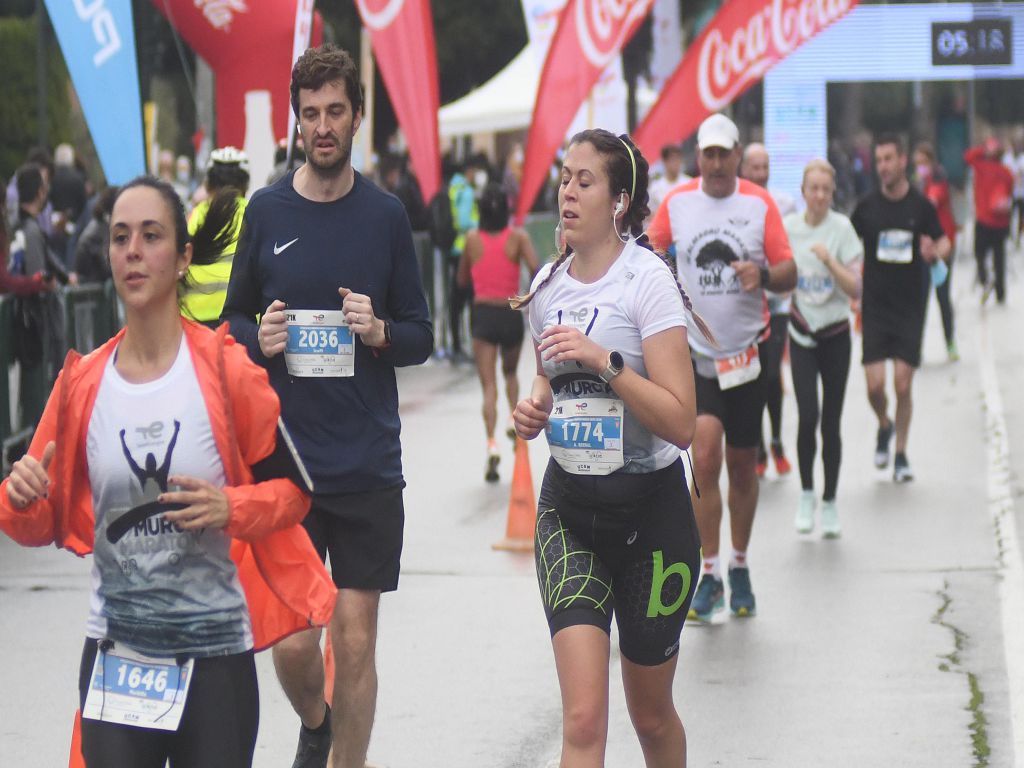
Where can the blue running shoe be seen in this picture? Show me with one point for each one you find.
(708, 600)
(741, 596)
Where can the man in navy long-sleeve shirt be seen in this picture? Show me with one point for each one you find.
(326, 259)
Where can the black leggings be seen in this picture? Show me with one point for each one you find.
(991, 239)
(217, 729)
(830, 360)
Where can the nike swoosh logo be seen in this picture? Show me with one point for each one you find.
(278, 249)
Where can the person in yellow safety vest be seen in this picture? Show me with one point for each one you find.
(206, 287)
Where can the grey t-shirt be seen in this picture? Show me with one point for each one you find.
(156, 588)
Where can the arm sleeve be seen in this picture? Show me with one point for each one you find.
(776, 241)
(244, 297)
(932, 226)
(534, 310)
(659, 231)
(850, 247)
(412, 334)
(33, 526)
(657, 303)
(973, 155)
(19, 285)
(258, 509)
(857, 220)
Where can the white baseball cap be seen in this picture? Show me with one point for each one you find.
(718, 131)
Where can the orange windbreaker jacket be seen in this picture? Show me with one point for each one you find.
(285, 583)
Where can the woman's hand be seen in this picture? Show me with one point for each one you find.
(560, 343)
(28, 480)
(531, 414)
(819, 250)
(207, 505)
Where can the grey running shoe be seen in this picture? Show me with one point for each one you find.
(314, 745)
(491, 474)
(708, 600)
(882, 446)
(901, 471)
(741, 596)
(830, 520)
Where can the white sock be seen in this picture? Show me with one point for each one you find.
(711, 566)
(738, 559)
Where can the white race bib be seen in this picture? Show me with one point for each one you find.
(585, 436)
(320, 344)
(896, 246)
(738, 369)
(133, 689)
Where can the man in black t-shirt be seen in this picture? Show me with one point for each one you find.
(902, 240)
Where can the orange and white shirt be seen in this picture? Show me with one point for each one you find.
(707, 235)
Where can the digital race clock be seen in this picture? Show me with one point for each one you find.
(976, 42)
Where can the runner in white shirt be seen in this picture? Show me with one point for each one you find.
(614, 396)
(828, 257)
(730, 245)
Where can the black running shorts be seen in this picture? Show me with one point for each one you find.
(738, 408)
(500, 325)
(882, 340)
(363, 533)
(622, 544)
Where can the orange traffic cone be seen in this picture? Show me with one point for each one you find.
(522, 505)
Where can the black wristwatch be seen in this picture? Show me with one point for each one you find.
(387, 333)
(766, 277)
(614, 367)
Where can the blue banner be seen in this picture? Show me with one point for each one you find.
(97, 38)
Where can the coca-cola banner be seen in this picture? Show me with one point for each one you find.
(590, 33)
(248, 45)
(742, 42)
(402, 32)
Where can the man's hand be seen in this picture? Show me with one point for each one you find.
(361, 320)
(749, 275)
(273, 330)
(928, 250)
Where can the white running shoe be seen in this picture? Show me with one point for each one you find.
(830, 520)
(805, 512)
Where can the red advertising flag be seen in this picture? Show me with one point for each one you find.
(249, 49)
(744, 40)
(590, 34)
(402, 32)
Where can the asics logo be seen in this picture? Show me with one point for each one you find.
(631, 539)
(280, 248)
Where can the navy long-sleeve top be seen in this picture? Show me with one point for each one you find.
(300, 251)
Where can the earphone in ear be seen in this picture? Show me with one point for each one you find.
(620, 207)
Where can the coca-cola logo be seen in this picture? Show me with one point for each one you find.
(378, 14)
(220, 13)
(729, 62)
(602, 26)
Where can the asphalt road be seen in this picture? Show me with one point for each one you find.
(889, 646)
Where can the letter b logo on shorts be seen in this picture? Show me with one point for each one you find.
(655, 607)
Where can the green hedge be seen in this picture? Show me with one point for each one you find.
(19, 126)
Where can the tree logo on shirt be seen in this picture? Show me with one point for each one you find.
(713, 258)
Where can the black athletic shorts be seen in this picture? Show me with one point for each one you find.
(217, 729)
(738, 408)
(497, 324)
(363, 534)
(622, 544)
(882, 339)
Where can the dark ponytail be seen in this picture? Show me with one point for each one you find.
(217, 232)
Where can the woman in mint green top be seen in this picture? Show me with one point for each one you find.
(828, 255)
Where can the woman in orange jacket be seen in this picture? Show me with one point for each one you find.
(158, 453)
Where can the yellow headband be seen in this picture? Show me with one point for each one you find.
(632, 160)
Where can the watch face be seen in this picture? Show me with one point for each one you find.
(616, 361)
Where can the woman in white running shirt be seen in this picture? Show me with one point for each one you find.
(614, 396)
(828, 257)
